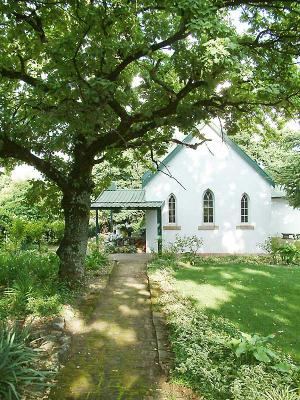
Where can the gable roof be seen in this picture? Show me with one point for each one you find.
(149, 175)
(114, 198)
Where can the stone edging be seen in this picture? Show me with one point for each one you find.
(161, 330)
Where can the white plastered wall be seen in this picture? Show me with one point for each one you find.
(151, 231)
(285, 219)
(219, 168)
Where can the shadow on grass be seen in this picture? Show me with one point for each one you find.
(113, 353)
(258, 299)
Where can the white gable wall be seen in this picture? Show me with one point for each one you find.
(228, 175)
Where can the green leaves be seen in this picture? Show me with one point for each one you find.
(255, 348)
(76, 59)
(18, 364)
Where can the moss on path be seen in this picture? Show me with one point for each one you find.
(113, 354)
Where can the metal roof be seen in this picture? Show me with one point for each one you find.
(149, 175)
(133, 199)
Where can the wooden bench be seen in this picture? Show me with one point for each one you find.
(293, 236)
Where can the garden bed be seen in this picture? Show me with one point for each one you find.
(34, 301)
(205, 345)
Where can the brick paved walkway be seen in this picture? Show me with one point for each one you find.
(114, 355)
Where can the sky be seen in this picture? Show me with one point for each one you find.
(25, 172)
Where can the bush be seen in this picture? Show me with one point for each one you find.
(96, 260)
(55, 231)
(186, 244)
(289, 253)
(18, 373)
(112, 249)
(22, 233)
(281, 250)
(206, 359)
(29, 284)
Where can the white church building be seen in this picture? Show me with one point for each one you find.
(216, 192)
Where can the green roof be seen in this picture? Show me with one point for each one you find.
(133, 199)
(149, 175)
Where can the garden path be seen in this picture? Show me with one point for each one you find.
(114, 353)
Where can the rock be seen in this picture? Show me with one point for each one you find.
(47, 346)
(66, 340)
(58, 324)
(63, 352)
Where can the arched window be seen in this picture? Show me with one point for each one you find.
(172, 209)
(208, 207)
(245, 208)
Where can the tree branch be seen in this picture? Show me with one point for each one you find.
(35, 22)
(168, 173)
(171, 107)
(189, 145)
(154, 77)
(22, 76)
(180, 34)
(11, 149)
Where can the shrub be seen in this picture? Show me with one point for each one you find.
(289, 253)
(280, 250)
(17, 232)
(112, 249)
(55, 231)
(186, 244)
(96, 260)
(30, 284)
(44, 305)
(35, 232)
(18, 372)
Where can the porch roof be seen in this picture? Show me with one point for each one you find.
(130, 199)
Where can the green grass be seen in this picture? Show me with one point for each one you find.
(257, 298)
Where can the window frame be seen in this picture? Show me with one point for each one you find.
(172, 196)
(209, 207)
(245, 216)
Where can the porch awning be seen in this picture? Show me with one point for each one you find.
(130, 199)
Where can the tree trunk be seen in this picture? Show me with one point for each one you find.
(72, 249)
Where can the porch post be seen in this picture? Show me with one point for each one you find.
(159, 230)
(111, 221)
(97, 225)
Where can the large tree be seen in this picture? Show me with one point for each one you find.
(82, 80)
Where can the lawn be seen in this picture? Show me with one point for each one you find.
(257, 298)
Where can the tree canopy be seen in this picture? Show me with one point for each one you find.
(81, 81)
(67, 69)
(278, 151)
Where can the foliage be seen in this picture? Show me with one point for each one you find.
(31, 200)
(289, 253)
(281, 250)
(127, 249)
(255, 347)
(18, 366)
(29, 284)
(281, 394)
(186, 244)
(55, 231)
(95, 260)
(204, 357)
(85, 81)
(277, 150)
(22, 233)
